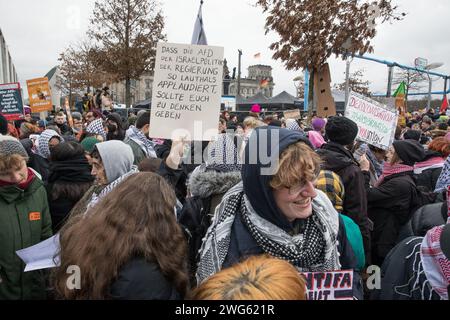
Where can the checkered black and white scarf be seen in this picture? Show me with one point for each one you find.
(147, 146)
(96, 127)
(313, 250)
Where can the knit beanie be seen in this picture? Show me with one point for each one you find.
(256, 108)
(409, 151)
(10, 146)
(412, 134)
(89, 143)
(3, 125)
(318, 124)
(341, 130)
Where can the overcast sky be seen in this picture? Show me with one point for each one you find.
(38, 31)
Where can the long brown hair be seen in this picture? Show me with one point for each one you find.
(136, 219)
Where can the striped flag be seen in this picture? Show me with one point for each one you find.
(199, 36)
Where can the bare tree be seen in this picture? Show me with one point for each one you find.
(312, 30)
(126, 32)
(79, 70)
(356, 83)
(414, 80)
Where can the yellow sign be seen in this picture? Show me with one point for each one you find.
(39, 95)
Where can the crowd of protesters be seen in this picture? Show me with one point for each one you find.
(143, 219)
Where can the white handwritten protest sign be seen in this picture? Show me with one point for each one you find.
(186, 92)
(376, 122)
(331, 285)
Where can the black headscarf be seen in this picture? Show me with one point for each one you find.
(119, 133)
(257, 186)
(73, 170)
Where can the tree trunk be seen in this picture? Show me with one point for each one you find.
(128, 92)
(127, 50)
(311, 95)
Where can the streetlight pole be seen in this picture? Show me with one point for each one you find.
(430, 84)
(238, 92)
(390, 76)
(347, 81)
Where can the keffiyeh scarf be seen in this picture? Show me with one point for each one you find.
(444, 178)
(110, 187)
(313, 250)
(435, 265)
(390, 169)
(96, 127)
(145, 144)
(43, 148)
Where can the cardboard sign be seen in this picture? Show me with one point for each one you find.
(376, 122)
(39, 95)
(331, 285)
(322, 87)
(186, 92)
(292, 114)
(11, 104)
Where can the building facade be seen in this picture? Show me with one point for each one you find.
(259, 79)
(8, 72)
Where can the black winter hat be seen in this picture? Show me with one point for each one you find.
(412, 134)
(409, 151)
(341, 130)
(3, 125)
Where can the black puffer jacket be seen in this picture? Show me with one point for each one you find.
(142, 280)
(341, 161)
(428, 217)
(390, 206)
(427, 177)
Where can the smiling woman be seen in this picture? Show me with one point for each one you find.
(280, 214)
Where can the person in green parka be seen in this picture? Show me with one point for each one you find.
(24, 221)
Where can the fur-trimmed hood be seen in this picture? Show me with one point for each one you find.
(206, 183)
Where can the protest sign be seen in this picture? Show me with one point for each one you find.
(292, 114)
(331, 285)
(39, 95)
(376, 122)
(11, 105)
(186, 92)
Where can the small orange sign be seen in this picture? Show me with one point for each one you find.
(39, 95)
(34, 216)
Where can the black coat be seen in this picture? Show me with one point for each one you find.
(341, 161)
(402, 276)
(428, 178)
(41, 165)
(390, 206)
(59, 209)
(142, 280)
(242, 245)
(428, 217)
